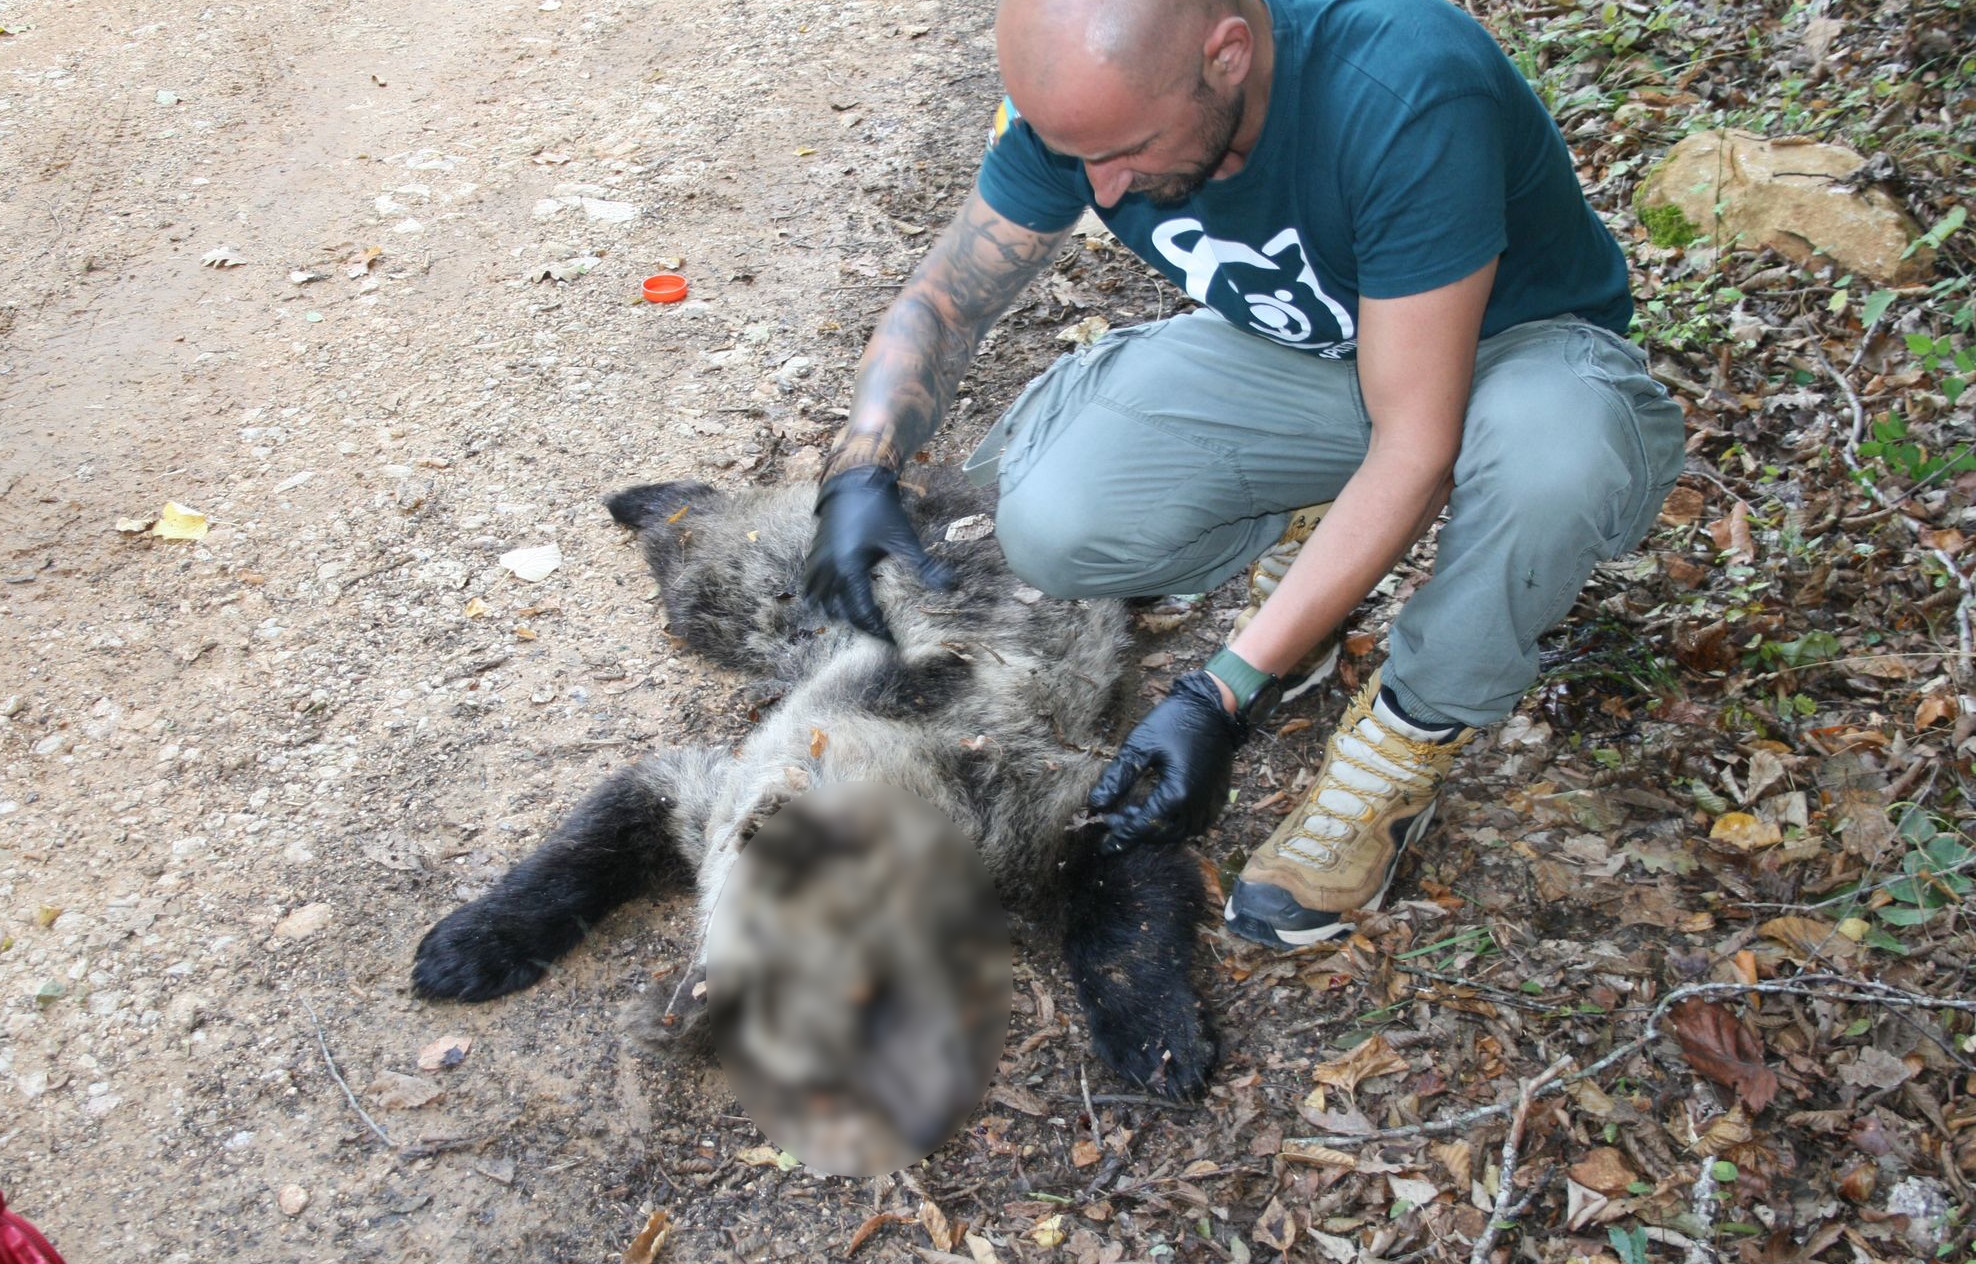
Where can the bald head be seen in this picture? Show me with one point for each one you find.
(1148, 47)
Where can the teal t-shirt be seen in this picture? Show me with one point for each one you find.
(1401, 152)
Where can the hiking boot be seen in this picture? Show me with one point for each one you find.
(1336, 852)
(1264, 575)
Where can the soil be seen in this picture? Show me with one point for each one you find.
(281, 263)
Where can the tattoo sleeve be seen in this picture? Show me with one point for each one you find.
(924, 341)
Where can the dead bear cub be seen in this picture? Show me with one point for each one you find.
(993, 706)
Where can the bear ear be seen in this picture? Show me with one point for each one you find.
(658, 504)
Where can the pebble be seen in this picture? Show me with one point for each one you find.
(303, 922)
(12, 706)
(292, 1200)
(54, 744)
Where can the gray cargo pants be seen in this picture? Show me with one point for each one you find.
(1165, 457)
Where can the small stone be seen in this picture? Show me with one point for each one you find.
(972, 527)
(303, 922)
(500, 1171)
(166, 97)
(292, 1199)
(54, 744)
(12, 706)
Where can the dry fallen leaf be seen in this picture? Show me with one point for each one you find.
(937, 1227)
(447, 1051)
(223, 257)
(393, 1090)
(1325, 1156)
(1606, 1170)
(1723, 1050)
(1275, 1228)
(1745, 832)
(176, 522)
(1371, 1059)
(475, 608)
(533, 564)
(1809, 939)
(645, 1248)
(1049, 1232)
(768, 1156)
(1724, 1132)
(1086, 331)
(1084, 1152)
(1934, 708)
(138, 526)
(1731, 534)
(1458, 1158)
(1683, 506)
(818, 740)
(872, 1225)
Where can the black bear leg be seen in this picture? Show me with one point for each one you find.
(617, 843)
(1129, 937)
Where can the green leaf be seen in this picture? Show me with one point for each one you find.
(1920, 344)
(1629, 1244)
(1877, 938)
(1724, 1171)
(1876, 306)
(1895, 916)
(1858, 1027)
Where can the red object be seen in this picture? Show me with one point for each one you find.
(20, 1242)
(666, 287)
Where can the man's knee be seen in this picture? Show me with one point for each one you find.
(1053, 543)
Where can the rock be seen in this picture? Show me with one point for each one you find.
(1925, 1203)
(303, 922)
(292, 1199)
(1785, 196)
(803, 465)
(54, 744)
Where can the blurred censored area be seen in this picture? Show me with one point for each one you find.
(858, 978)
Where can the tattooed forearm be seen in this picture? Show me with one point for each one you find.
(924, 341)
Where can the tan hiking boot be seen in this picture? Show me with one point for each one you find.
(1336, 852)
(1264, 575)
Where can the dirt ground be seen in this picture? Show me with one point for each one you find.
(281, 263)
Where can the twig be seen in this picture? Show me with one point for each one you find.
(1701, 1201)
(1819, 986)
(1486, 991)
(1127, 1099)
(1965, 639)
(372, 573)
(322, 1042)
(1507, 1208)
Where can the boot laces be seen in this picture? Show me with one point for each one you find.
(1368, 766)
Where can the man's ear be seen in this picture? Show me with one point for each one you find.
(1228, 53)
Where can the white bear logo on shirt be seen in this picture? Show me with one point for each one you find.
(1276, 309)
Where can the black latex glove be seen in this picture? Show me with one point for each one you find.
(1188, 744)
(859, 522)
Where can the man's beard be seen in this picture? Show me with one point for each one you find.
(1219, 122)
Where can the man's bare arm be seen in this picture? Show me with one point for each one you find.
(924, 341)
(1416, 362)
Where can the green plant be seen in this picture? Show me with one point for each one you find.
(1896, 454)
(1667, 225)
(1934, 873)
(1953, 366)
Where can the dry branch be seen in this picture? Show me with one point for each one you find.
(1829, 987)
